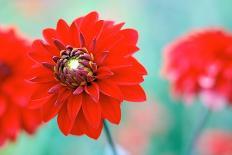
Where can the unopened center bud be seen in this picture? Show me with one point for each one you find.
(75, 67)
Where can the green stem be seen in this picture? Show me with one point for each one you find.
(109, 138)
(201, 124)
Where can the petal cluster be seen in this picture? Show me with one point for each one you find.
(215, 142)
(201, 63)
(83, 72)
(14, 114)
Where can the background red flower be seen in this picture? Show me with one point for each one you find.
(14, 91)
(84, 71)
(200, 63)
(215, 142)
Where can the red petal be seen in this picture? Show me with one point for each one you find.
(110, 37)
(49, 109)
(92, 111)
(37, 103)
(130, 35)
(2, 140)
(81, 127)
(113, 61)
(100, 57)
(90, 18)
(109, 42)
(93, 91)
(64, 121)
(87, 26)
(52, 107)
(31, 120)
(59, 45)
(94, 133)
(104, 72)
(126, 76)
(74, 32)
(42, 79)
(3, 104)
(133, 93)
(110, 109)
(74, 105)
(108, 88)
(38, 70)
(138, 66)
(39, 53)
(11, 122)
(49, 34)
(62, 29)
(41, 91)
(97, 29)
(51, 49)
(125, 50)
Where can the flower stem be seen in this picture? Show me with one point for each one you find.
(201, 124)
(109, 138)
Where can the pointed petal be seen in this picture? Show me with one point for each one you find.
(87, 26)
(81, 127)
(49, 34)
(138, 66)
(93, 91)
(134, 93)
(41, 91)
(42, 79)
(3, 105)
(39, 53)
(110, 109)
(59, 45)
(11, 122)
(75, 33)
(64, 121)
(62, 29)
(126, 76)
(31, 119)
(130, 35)
(101, 57)
(90, 18)
(108, 88)
(52, 107)
(92, 111)
(74, 104)
(104, 72)
(38, 103)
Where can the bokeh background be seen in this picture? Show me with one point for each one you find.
(163, 125)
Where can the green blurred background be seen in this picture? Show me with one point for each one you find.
(158, 22)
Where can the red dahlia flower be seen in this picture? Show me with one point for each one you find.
(14, 114)
(84, 71)
(216, 143)
(201, 64)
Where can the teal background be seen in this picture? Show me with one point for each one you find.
(158, 22)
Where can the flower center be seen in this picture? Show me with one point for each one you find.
(75, 67)
(5, 71)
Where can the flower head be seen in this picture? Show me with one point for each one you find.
(14, 114)
(200, 64)
(215, 142)
(83, 72)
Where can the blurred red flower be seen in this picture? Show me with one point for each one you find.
(14, 114)
(84, 71)
(216, 143)
(200, 64)
(137, 131)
